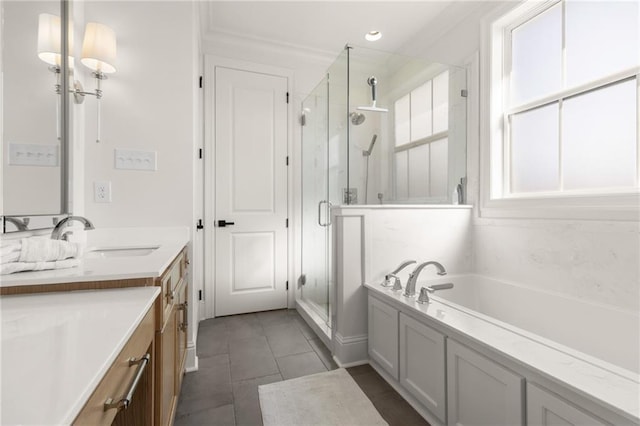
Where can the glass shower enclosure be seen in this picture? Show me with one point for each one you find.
(379, 128)
(324, 172)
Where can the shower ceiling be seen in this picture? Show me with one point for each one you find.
(327, 25)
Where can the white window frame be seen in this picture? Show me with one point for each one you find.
(495, 200)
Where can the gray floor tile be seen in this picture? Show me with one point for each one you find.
(251, 358)
(305, 329)
(219, 416)
(286, 339)
(323, 353)
(243, 326)
(300, 365)
(212, 339)
(371, 382)
(269, 318)
(209, 387)
(246, 401)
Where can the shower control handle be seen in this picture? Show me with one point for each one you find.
(223, 223)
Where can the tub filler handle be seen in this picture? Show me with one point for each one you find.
(396, 284)
(424, 291)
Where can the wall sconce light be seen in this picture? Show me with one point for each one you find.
(98, 54)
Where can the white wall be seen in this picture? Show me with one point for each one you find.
(590, 260)
(147, 105)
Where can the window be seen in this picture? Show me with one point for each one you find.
(421, 122)
(563, 104)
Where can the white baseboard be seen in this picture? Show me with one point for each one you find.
(191, 363)
(351, 350)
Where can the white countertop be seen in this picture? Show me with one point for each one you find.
(620, 393)
(168, 240)
(56, 348)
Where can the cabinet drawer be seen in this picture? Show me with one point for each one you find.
(120, 375)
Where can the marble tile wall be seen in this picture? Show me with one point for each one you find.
(591, 260)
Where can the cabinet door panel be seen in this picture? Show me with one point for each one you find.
(383, 335)
(480, 391)
(182, 316)
(167, 370)
(546, 409)
(422, 364)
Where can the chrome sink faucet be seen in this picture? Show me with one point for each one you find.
(410, 290)
(394, 274)
(59, 233)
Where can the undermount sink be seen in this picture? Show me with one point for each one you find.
(105, 252)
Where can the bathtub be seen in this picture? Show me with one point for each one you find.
(598, 331)
(579, 348)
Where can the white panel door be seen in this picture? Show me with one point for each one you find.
(422, 364)
(383, 335)
(480, 391)
(250, 191)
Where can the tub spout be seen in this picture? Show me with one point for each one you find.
(424, 291)
(410, 290)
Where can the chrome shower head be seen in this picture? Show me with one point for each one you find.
(357, 118)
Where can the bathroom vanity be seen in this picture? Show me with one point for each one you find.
(119, 265)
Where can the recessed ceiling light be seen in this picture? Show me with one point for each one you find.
(373, 35)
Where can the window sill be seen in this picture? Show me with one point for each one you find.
(614, 207)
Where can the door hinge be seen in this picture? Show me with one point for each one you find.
(287, 286)
(464, 93)
(199, 225)
(287, 160)
(200, 153)
(199, 294)
(287, 97)
(200, 82)
(286, 223)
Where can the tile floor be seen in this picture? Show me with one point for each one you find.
(238, 353)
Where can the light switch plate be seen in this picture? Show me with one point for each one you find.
(127, 159)
(29, 154)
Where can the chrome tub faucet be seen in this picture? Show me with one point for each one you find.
(394, 274)
(410, 290)
(59, 230)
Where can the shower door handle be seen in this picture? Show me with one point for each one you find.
(320, 213)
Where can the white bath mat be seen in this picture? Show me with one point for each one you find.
(331, 398)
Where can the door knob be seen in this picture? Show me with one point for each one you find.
(223, 223)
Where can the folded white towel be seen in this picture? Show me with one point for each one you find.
(10, 268)
(46, 250)
(10, 251)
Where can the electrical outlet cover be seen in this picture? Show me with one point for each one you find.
(102, 191)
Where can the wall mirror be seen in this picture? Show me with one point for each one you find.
(35, 119)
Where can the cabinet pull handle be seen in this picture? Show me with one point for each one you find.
(124, 402)
(185, 316)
